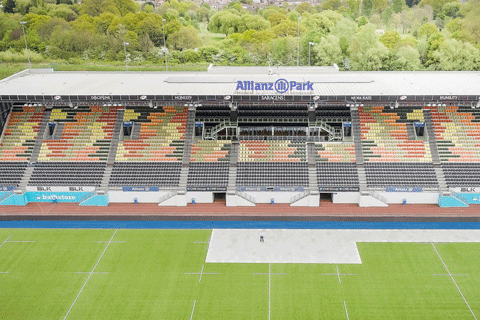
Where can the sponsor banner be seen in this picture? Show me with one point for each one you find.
(472, 198)
(258, 189)
(338, 189)
(59, 189)
(280, 86)
(7, 188)
(403, 189)
(466, 189)
(58, 196)
(140, 189)
(206, 189)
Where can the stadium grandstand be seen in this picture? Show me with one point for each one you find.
(244, 134)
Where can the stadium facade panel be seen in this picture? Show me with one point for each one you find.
(243, 135)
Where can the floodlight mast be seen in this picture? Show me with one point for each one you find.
(22, 23)
(125, 44)
(165, 44)
(309, 46)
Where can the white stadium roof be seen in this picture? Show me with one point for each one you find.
(327, 81)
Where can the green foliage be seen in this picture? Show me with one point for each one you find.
(331, 5)
(427, 30)
(362, 21)
(398, 5)
(328, 51)
(11, 56)
(366, 51)
(437, 5)
(408, 59)
(451, 9)
(184, 38)
(96, 29)
(64, 12)
(456, 55)
(390, 39)
(208, 53)
(345, 28)
(9, 6)
(367, 7)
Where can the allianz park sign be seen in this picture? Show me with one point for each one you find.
(279, 86)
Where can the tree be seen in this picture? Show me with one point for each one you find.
(353, 8)
(207, 53)
(427, 30)
(345, 28)
(152, 26)
(390, 39)
(92, 7)
(276, 18)
(411, 3)
(366, 52)
(472, 22)
(362, 21)
(304, 7)
(457, 55)
(435, 4)
(408, 40)
(408, 59)
(451, 9)
(387, 16)
(398, 5)
(328, 51)
(225, 22)
(9, 6)
(333, 5)
(379, 5)
(185, 38)
(433, 44)
(367, 7)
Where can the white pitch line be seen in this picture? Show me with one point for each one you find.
(448, 271)
(92, 272)
(269, 289)
(20, 241)
(346, 311)
(5, 241)
(267, 273)
(201, 272)
(110, 242)
(194, 302)
(338, 274)
(4, 272)
(453, 274)
(88, 278)
(200, 242)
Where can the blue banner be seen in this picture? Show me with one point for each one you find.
(141, 189)
(403, 189)
(58, 196)
(7, 188)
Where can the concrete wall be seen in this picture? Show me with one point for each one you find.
(369, 201)
(237, 201)
(142, 197)
(411, 197)
(200, 197)
(346, 197)
(311, 200)
(280, 197)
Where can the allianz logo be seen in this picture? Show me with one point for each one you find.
(280, 86)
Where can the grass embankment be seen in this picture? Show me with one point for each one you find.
(8, 69)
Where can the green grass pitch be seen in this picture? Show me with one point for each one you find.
(141, 274)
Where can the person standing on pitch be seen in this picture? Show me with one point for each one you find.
(262, 239)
